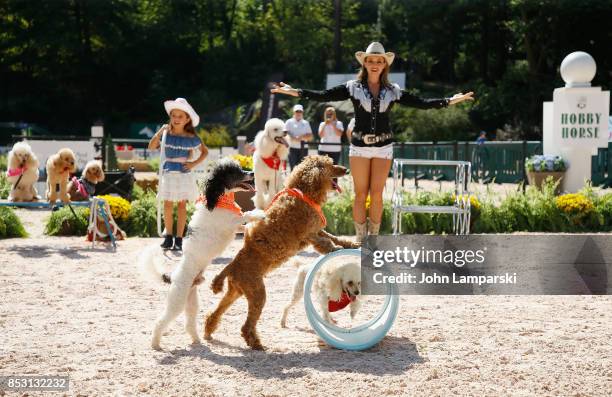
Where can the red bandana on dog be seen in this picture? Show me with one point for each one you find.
(226, 202)
(274, 162)
(298, 193)
(345, 300)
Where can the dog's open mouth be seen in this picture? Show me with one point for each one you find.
(336, 187)
(246, 186)
(281, 140)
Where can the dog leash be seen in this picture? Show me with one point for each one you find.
(74, 213)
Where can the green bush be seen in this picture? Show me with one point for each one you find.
(154, 163)
(142, 219)
(216, 136)
(3, 162)
(10, 225)
(339, 214)
(5, 186)
(453, 123)
(533, 210)
(138, 192)
(63, 222)
(603, 206)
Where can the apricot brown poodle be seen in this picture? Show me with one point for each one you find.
(293, 221)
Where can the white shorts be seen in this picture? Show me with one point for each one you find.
(178, 186)
(370, 152)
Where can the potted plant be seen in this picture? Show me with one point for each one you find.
(541, 167)
(244, 199)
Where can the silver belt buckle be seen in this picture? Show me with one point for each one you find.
(369, 139)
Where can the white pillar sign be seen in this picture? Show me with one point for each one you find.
(581, 117)
(576, 122)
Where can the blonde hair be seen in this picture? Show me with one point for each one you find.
(384, 76)
(330, 109)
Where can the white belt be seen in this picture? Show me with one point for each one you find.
(370, 139)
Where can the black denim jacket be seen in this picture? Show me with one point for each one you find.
(372, 114)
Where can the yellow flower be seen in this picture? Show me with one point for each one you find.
(474, 203)
(120, 207)
(574, 204)
(246, 162)
(368, 202)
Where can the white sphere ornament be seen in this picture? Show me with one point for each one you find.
(578, 69)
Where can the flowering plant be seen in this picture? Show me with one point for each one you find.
(246, 162)
(474, 203)
(574, 204)
(120, 207)
(545, 163)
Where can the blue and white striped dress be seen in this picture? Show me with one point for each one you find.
(177, 184)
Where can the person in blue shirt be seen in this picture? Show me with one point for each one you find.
(177, 183)
(482, 138)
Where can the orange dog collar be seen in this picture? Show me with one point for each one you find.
(225, 202)
(298, 193)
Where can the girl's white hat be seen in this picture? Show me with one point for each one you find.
(182, 104)
(375, 48)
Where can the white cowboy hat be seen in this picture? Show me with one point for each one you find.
(182, 104)
(375, 48)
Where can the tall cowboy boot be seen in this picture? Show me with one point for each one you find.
(360, 232)
(373, 228)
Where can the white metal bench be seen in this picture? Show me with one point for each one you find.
(461, 207)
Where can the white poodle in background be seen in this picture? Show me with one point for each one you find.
(271, 152)
(213, 227)
(22, 173)
(335, 286)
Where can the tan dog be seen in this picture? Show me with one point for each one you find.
(22, 173)
(59, 168)
(83, 188)
(292, 223)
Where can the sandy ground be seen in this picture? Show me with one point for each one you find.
(69, 310)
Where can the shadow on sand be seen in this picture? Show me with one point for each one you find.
(393, 355)
(43, 251)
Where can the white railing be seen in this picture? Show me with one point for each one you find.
(460, 208)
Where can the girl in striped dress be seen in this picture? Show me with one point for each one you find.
(177, 183)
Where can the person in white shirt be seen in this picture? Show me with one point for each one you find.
(330, 131)
(299, 130)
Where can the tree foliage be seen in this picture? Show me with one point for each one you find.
(68, 63)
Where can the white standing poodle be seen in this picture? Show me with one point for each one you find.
(22, 173)
(335, 286)
(212, 227)
(271, 151)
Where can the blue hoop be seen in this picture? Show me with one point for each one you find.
(358, 338)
